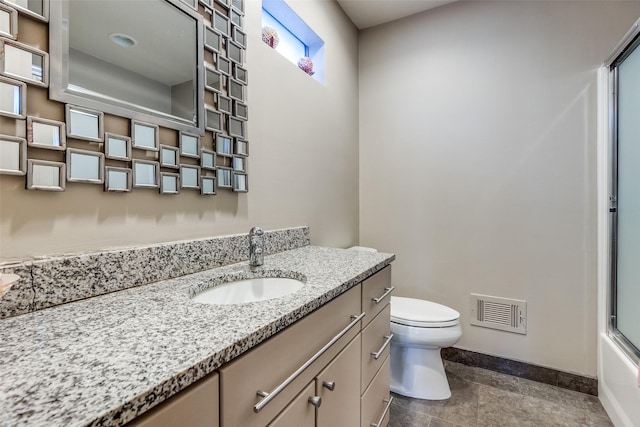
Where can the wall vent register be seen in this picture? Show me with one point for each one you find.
(499, 313)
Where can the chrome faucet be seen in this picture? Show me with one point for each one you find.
(256, 247)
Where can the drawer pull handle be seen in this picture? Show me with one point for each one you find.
(387, 340)
(268, 397)
(329, 385)
(315, 401)
(384, 413)
(383, 296)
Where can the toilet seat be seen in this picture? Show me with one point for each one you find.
(422, 314)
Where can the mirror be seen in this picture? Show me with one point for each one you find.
(224, 104)
(8, 22)
(241, 148)
(189, 145)
(240, 74)
(234, 52)
(236, 90)
(13, 98)
(145, 136)
(207, 185)
(239, 164)
(84, 123)
(240, 183)
(168, 157)
(38, 9)
(145, 174)
(240, 110)
(45, 175)
(213, 80)
(85, 166)
(117, 179)
(224, 2)
(239, 37)
(223, 176)
(117, 147)
(238, 4)
(169, 183)
(235, 127)
(220, 22)
(142, 64)
(214, 120)
(24, 63)
(212, 40)
(223, 145)
(13, 155)
(236, 17)
(208, 159)
(190, 176)
(44, 133)
(223, 65)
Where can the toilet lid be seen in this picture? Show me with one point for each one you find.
(422, 313)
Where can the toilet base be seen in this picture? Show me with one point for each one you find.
(418, 373)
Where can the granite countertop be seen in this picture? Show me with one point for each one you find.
(104, 360)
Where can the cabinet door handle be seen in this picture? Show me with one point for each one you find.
(315, 401)
(329, 385)
(384, 413)
(387, 340)
(268, 397)
(383, 296)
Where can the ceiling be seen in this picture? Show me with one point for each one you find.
(368, 13)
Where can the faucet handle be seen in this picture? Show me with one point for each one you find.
(256, 231)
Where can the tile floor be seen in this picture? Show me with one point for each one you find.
(482, 398)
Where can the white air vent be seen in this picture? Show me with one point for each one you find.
(499, 313)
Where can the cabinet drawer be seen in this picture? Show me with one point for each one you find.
(299, 413)
(375, 342)
(272, 362)
(376, 400)
(373, 288)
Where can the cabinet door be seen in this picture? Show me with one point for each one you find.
(338, 385)
(299, 413)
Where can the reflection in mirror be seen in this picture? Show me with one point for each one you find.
(241, 148)
(84, 124)
(234, 52)
(208, 159)
(223, 65)
(169, 157)
(13, 98)
(38, 9)
(240, 110)
(236, 18)
(236, 90)
(214, 120)
(24, 63)
(220, 22)
(223, 145)
(13, 155)
(145, 136)
(212, 40)
(240, 183)
(207, 185)
(213, 80)
(105, 59)
(45, 175)
(224, 104)
(239, 37)
(223, 176)
(236, 127)
(239, 164)
(238, 4)
(117, 179)
(85, 166)
(145, 174)
(8, 22)
(189, 145)
(189, 176)
(192, 3)
(240, 74)
(169, 183)
(117, 147)
(225, 3)
(208, 3)
(44, 133)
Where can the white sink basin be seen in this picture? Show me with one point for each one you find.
(249, 290)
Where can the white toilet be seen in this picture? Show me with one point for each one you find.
(420, 329)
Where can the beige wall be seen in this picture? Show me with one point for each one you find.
(303, 164)
(477, 163)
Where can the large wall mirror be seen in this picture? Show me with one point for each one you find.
(144, 64)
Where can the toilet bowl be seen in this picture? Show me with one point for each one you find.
(420, 329)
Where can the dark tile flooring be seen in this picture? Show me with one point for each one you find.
(482, 398)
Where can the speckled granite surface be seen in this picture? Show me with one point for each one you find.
(57, 280)
(101, 361)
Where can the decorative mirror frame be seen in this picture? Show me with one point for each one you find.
(221, 23)
(156, 166)
(22, 153)
(240, 74)
(61, 175)
(219, 146)
(207, 43)
(23, 98)
(185, 153)
(203, 185)
(45, 10)
(175, 176)
(215, 125)
(184, 184)
(241, 148)
(235, 127)
(176, 155)
(33, 51)
(235, 90)
(100, 171)
(239, 164)
(107, 183)
(211, 69)
(240, 111)
(107, 146)
(208, 159)
(224, 104)
(68, 109)
(239, 36)
(156, 136)
(228, 172)
(235, 52)
(235, 17)
(13, 22)
(237, 188)
(223, 65)
(54, 123)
